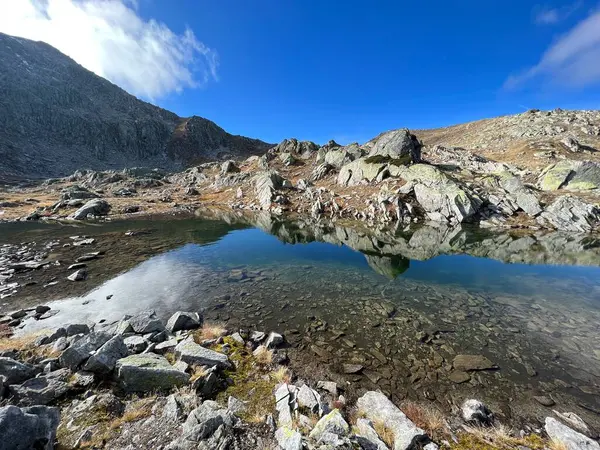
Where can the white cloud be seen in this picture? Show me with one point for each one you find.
(109, 38)
(573, 60)
(543, 15)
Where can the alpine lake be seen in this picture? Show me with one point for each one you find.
(429, 312)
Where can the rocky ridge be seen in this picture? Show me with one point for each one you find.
(57, 117)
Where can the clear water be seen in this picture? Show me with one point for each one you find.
(402, 303)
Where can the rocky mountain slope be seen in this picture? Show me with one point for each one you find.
(57, 117)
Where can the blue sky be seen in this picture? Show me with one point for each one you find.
(344, 70)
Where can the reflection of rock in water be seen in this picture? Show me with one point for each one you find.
(423, 242)
(388, 266)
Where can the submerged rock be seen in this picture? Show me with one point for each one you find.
(472, 362)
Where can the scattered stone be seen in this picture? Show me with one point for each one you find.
(183, 321)
(288, 439)
(352, 368)
(78, 275)
(274, 340)
(135, 344)
(328, 386)
(103, 361)
(474, 411)
(74, 328)
(15, 372)
(472, 362)
(42, 389)
(96, 207)
(331, 423)
(308, 398)
(80, 351)
(458, 377)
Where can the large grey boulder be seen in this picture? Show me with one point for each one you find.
(41, 390)
(442, 198)
(378, 408)
(398, 145)
(203, 421)
(148, 372)
(136, 344)
(28, 428)
(103, 361)
(332, 423)
(570, 175)
(570, 438)
(309, 399)
(265, 185)
(80, 351)
(184, 321)
(146, 322)
(192, 353)
(569, 213)
(288, 439)
(358, 170)
(303, 149)
(16, 372)
(95, 207)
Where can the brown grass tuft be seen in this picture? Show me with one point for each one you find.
(263, 356)
(281, 375)
(209, 331)
(557, 445)
(429, 418)
(384, 433)
(198, 372)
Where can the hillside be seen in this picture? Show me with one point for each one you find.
(57, 117)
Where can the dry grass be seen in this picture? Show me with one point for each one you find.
(198, 372)
(209, 331)
(263, 356)
(502, 437)
(26, 345)
(281, 375)
(384, 433)
(557, 445)
(170, 356)
(427, 417)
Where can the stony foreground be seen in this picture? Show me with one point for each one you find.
(140, 383)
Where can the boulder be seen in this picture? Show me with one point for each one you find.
(304, 149)
(79, 351)
(28, 428)
(288, 439)
(192, 353)
(203, 421)
(265, 185)
(378, 408)
(569, 213)
(309, 399)
(146, 322)
(285, 402)
(274, 340)
(148, 372)
(398, 145)
(571, 439)
(332, 423)
(78, 275)
(229, 167)
(476, 412)
(570, 175)
(572, 420)
(103, 361)
(75, 328)
(358, 170)
(135, 344)
(367, 437)
(41, 390)
(184, 321)
(95, 207)
(16, 372)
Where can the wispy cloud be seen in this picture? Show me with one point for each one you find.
(544, 15)
(573, 60)
(110, 38)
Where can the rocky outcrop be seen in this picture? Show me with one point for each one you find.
(59, 117)
(294, 147)
(265, 184)
(398, 145)
(28, 428)
(569, 213)
(570, 175)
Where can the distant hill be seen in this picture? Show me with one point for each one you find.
(57, 117)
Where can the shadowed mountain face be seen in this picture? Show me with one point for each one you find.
(57, 117)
